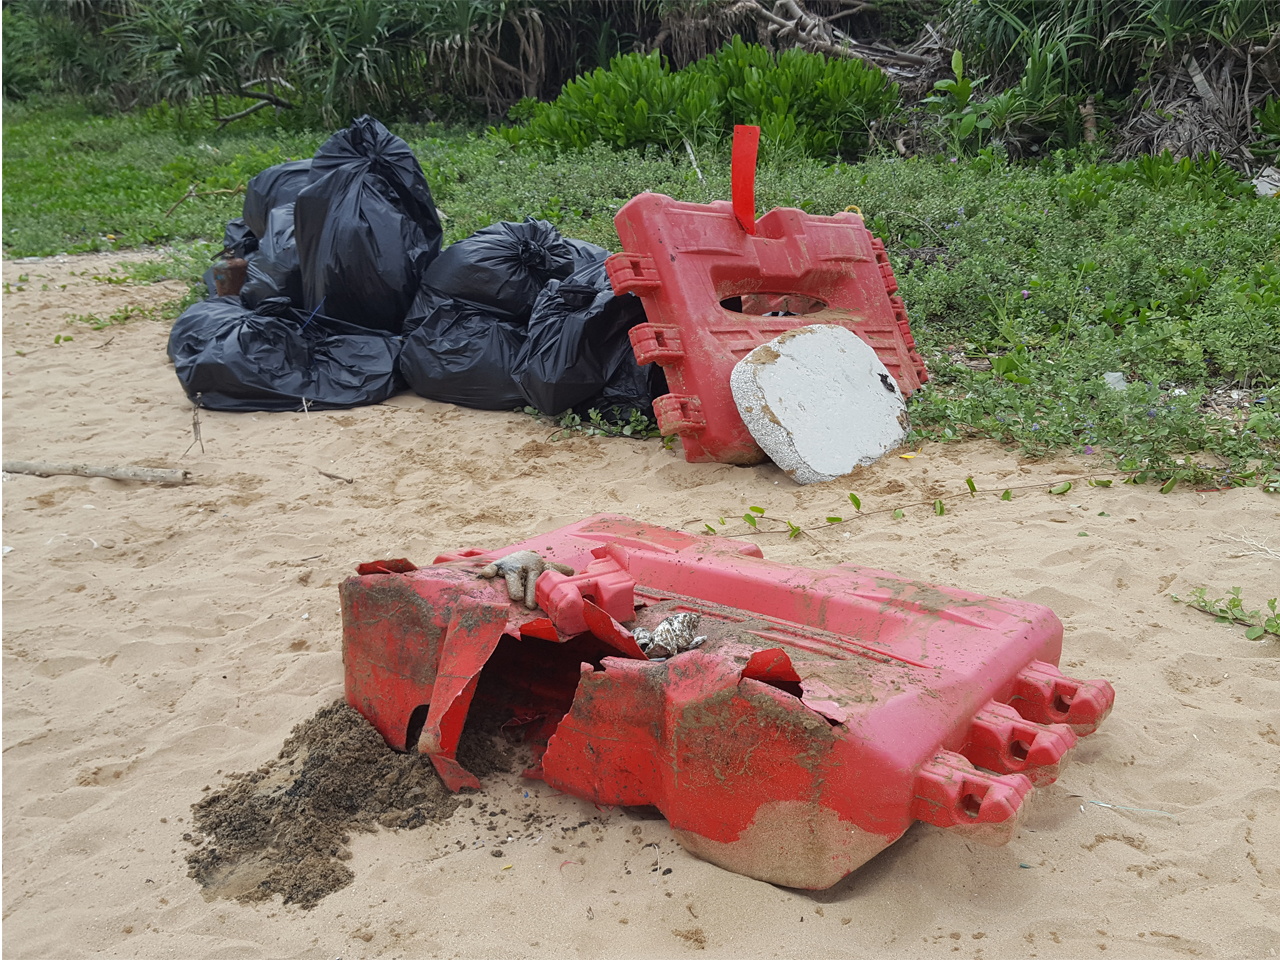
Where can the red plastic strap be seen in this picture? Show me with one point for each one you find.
(746, 145)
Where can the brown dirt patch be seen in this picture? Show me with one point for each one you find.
(284, 828)
(695, 938)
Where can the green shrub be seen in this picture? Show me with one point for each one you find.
(1239, 325)
(804, 103)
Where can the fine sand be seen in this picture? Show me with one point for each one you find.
(157, 639)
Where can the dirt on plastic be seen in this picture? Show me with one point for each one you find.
(284, 829)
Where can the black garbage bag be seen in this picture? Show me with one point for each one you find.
(273, 187)
(200, 322)
(584, 253)
(273, 269)
(424, 304)
(366, 227)
(503, 266)
(238, 240)
(274, 357)
(578, 354)
(462, 354)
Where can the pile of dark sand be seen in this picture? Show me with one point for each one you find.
(284, 828)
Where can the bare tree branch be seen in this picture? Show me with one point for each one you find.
(223, 121)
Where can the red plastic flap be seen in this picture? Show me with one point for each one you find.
(770, 666)
(746, 146)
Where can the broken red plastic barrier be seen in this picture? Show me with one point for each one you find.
(822, 712)
(716, 283)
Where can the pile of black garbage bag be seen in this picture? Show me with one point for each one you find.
(349, 298)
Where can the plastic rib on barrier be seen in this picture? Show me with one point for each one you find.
(820, 714)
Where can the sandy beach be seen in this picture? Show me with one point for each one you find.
(157, 639)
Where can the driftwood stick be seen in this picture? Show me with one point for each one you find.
(260, 105)
(207, 193)
(141, 474)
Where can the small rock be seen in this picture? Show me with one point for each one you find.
(1267, 183)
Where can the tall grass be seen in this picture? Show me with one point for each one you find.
(1106, 45)
(325, 59)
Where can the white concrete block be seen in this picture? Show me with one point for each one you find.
(819, 402)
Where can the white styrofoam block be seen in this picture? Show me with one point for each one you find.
(819, 402)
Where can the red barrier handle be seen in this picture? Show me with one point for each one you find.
(746, 146)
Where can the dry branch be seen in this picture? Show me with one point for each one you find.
(207, 193)
(789, 20)
(267, 97)
(140, 474)
(223, 121)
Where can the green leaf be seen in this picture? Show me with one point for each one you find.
(722, 521)
(1103, 513)
(957, 63)
(759, 510)
(710, 529)
(1061, 488)
(794, 530)
(750, 519)
(1099, 483)
(939, 507)
(967, 125)
(1081, 534)
(857, 504)
(1007, 495)
(897, 514)
(1169, 484)
(835, 519)
(1254, 632)
(968, 482)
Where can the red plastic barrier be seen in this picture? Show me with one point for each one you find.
(823, 713)
(709, 284)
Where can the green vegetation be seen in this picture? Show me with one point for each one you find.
(310, 61)
(75, 181)
(1257, 623)
(804, 103)
(1106, 46)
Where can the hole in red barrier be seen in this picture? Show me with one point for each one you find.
(1019, 750)
(417, 720)
(645, 812)
(971, 803)
(787, 686)
(527, 686)
(1062, 702)
(386, 566)
(773, 304)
